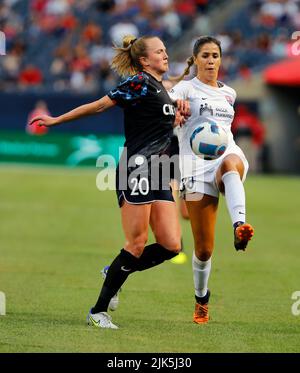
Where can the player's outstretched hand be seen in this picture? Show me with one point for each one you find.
(43, 120)
(179, 119)
(183, 106)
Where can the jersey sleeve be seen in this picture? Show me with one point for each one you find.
(179, 91)
(130, 91)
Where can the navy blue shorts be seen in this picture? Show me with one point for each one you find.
(141, 188)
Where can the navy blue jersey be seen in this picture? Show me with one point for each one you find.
(149, 114)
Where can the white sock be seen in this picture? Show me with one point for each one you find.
(201, 272)
(235, 196)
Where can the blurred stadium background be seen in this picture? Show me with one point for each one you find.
(57, 55)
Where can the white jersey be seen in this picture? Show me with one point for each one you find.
(207, 103)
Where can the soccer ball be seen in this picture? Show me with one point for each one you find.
(209, 141)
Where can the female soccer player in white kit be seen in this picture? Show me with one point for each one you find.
(203, 180)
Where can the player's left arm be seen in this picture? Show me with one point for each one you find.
(95, 107)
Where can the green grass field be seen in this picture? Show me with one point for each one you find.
(57, 231)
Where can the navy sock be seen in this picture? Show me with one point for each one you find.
(235, 225)
(125, 264)
(203, 300)
(154, 255)
(122, 266)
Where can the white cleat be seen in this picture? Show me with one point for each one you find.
(101, 320)
(114, 302)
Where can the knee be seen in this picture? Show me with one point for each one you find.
(204, 256)
(175, 248)
(136, 245)
(228, 165)
(232, 163)
(171, 244)
(203, 251)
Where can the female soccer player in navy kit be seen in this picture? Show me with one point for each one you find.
(202, 180)
(144, 198)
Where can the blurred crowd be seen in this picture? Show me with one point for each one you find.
(66, 45)
(253, 37)
(262, 34)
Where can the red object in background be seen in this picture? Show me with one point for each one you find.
(81, 63)
(92, 32)
(286, 73)
(68, 22)
(31, 75)
(185, 7)
(38, 5)
(34, 129)
(245, 72)
(244, 119)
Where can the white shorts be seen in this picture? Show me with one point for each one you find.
(206, 183)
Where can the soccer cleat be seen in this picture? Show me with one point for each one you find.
(242, 234)
(181, 258)
(101, 320)
(201, 315)
(114, 302)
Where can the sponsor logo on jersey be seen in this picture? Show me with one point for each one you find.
(223, 113)
(168, 109)
(205, 108)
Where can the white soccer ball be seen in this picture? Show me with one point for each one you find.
(209, 140)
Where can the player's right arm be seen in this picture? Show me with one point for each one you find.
(95, 107)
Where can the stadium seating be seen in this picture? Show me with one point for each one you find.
(69, 42)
